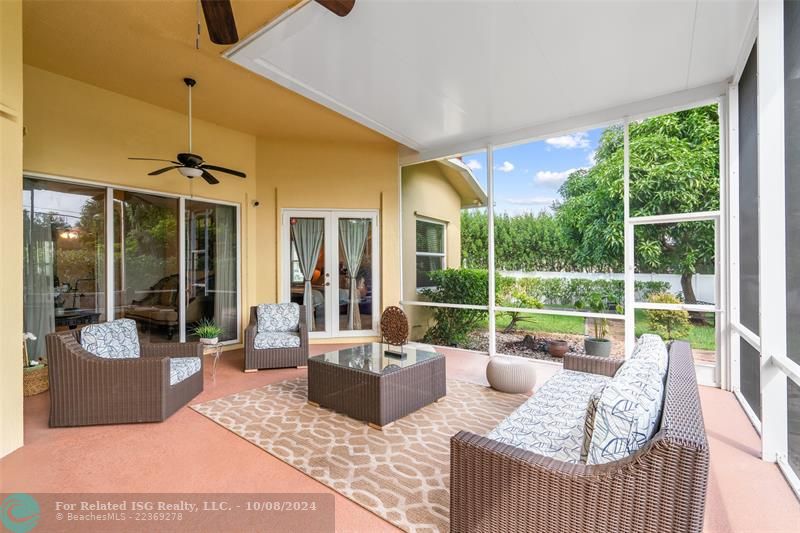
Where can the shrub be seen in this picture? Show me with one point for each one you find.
(517, 298)
(669, 324)
(565, 291)
(459, 286)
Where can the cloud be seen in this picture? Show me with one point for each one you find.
(579, 139)
(507, 166)
(592, 158)
(474, 164)
(552, 176)
(534, 200)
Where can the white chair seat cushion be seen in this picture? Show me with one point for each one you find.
(276, 339)
(117, 339)
(551, 423)
(278, 317)
(181, 368)
(627, 413)
(652, 347)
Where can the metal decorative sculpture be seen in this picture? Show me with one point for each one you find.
(394, 326)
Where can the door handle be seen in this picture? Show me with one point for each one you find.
(327, 283)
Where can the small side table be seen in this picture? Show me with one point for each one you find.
(216, 351)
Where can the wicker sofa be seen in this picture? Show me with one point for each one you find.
(89, 390)
(660, 487)
(259, 358)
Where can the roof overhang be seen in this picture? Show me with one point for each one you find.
(463, 181)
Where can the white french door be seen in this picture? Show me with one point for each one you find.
(330, 262)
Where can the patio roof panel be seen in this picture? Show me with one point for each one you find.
(443, 73)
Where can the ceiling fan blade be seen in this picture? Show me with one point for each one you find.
(220, 22)
(151, 159)
(340, 7)
(225, 170)
(161, 171)
(209, 178)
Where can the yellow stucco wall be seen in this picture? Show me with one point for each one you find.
(76, 130)
(303, 174)
(11, 98)
(427, 193)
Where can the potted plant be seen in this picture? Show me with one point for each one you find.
(208, 331)
(598, 345)
(35, 377)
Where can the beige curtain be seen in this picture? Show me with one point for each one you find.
(353, 234)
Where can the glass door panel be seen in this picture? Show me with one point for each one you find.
(211, 267)
(309, 276)
(331, 262)
(146, 258)
(354, 309)
(64, 258)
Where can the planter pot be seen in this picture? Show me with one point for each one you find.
(215, 340)
(597, 347)
(557, 348)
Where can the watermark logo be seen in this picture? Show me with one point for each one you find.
(20, 513)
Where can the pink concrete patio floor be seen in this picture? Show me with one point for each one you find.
(189, 453)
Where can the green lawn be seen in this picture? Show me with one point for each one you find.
(701, 337)
(551, 323)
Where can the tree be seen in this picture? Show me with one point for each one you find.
(674, 168)
(526, 242)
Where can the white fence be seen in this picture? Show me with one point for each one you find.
(703, 284)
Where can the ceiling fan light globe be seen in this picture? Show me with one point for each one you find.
(190, 172)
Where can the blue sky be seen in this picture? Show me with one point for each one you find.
(527, 176)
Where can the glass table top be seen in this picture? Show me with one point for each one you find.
(377, 358)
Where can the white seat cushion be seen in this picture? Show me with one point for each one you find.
(181, 368)
(652, 347)
(278, 317)
(627, 413)
(551, 423)
(117, 339)
(276, 339)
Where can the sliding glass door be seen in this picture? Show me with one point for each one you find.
(211, 267)
(330, 266)
(64, 258)
(72, 278)
(146, 263)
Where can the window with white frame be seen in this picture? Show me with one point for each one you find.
(430, 250)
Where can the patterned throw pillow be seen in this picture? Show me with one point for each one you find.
(278, 317)
(628, 412)
(588, 427)
(117, 339)
(652, 347)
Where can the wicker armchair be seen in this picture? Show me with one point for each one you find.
(89, 390)
(661, 487)
(259, 359)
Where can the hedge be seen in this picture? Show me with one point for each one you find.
(471, 286)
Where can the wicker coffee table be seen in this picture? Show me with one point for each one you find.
(365, 383)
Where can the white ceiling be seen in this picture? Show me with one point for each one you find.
(435, 74)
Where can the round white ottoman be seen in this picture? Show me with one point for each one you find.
(510, 374)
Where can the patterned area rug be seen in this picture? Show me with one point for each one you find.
(401, 474)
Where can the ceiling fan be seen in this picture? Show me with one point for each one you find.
(189, 164)
(222, 25)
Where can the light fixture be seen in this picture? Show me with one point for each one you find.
(190, 172)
